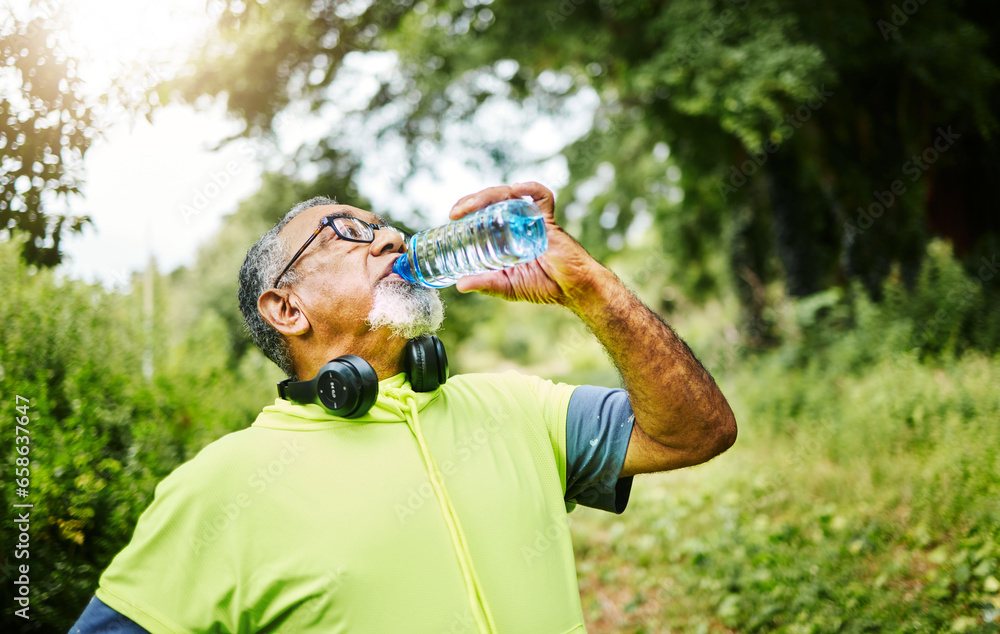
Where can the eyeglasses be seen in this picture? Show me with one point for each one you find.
(347, 228)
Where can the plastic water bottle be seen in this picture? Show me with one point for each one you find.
(497, 237)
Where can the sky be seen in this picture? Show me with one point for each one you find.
(160, 189)
(157, 190)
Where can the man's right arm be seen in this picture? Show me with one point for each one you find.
(681, 416)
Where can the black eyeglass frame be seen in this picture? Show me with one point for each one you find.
(328, 221)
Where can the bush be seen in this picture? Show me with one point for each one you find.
(103, 431)
(850, 503)
(945, 314)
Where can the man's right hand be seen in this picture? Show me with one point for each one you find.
(563, 275)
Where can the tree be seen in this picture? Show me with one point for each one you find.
(46, 127)
(814, 143)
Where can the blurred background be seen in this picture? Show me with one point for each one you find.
(805, 189)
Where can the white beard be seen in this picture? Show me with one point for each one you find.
(409, 310)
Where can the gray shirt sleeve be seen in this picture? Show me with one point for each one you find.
(598, 427)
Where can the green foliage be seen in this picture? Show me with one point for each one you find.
(99, 440)
(859, 495)
(784, 120)
(946, 313)
(117, 401)
(46, 126)
(851, 502)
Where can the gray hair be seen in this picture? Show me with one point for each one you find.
(263, 263)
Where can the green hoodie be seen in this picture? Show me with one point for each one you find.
(436, 512)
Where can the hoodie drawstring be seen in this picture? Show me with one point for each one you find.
(484, 619)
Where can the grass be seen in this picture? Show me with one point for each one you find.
(852, 502)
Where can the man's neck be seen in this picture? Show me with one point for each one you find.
(384, 354)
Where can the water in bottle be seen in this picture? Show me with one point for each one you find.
(502, 235)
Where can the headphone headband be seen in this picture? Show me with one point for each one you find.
(348, 386)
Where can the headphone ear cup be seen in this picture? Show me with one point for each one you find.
(426, 363)
(416, 365)
(347, 386)
(442, 360)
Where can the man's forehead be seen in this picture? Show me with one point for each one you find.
(308, 220)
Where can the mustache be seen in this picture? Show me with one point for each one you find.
(401, 283)
(406, 308)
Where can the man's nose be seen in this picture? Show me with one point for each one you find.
(387, 241)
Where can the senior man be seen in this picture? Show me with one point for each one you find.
(442, 510)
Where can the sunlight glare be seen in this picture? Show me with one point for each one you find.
(112, 37)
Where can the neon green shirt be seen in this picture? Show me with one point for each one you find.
(436, 512)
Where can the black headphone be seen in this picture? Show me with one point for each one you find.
(348, 386)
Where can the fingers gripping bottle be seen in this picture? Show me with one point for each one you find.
(496, 237)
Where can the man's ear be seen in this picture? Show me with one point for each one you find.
(279, 310)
